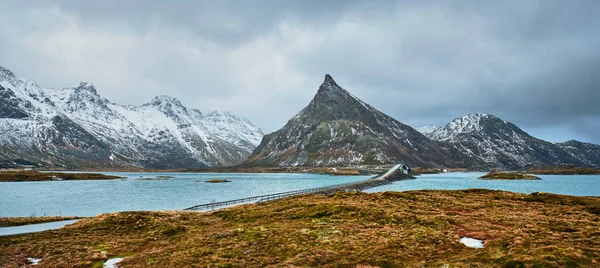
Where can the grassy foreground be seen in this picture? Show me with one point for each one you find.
(392, 229)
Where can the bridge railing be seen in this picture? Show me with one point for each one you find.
(360, 185)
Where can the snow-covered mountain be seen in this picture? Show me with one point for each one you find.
(587, 153)
(502, 144)
(427, 130)
(77, 127)
(337, 128)
(233, 129)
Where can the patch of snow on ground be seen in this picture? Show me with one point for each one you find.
(112, 263)
(472, 242)
(34, 261)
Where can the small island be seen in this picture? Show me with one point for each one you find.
(17, 176)
(157, 178)
(508, 176)
(217, 181)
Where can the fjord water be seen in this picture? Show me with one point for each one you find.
(579, 185)
(89, 198)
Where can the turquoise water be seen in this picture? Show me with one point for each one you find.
(34, 228)
(580, 185)
(89, 198)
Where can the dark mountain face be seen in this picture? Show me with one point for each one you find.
(9, 105)
(501, 144)
(587, 153)
(337, 128)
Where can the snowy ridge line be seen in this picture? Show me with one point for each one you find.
(77, 127)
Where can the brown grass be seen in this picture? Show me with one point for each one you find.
(392, 229)
(18, 221)
(49, 176)
(564, 170)
(508, 176)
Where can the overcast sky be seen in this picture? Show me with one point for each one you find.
(534, 63)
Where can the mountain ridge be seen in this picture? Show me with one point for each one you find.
(77, 127)
(337, 128)
(502, 144)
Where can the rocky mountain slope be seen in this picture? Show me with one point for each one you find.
(587, 153)
(501, 144)
(76, 127)
(337, 128)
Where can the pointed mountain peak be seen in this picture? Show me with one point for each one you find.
(87, 87)
(329, 79)
(165, 100)
(6, 71)
(472, 123)
(6, 74)
(218, 113)
(329, 83)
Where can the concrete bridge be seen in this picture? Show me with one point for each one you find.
(396, 173)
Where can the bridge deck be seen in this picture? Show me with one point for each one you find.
(353, 186)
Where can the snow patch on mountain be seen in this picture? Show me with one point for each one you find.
(58, 124)
(427, 130)
(233, 129)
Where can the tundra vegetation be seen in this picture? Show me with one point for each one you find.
(391, 229)
(563, 170)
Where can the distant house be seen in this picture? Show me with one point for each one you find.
(406, 169)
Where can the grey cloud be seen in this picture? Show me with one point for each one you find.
(530, 62)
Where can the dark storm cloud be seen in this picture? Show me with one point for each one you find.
(226, 22)
(534, 63)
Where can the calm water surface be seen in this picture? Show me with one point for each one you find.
(580, 185)
(89, 198)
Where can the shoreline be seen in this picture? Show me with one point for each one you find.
(28, 176)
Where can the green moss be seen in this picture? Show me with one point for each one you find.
(173, 230)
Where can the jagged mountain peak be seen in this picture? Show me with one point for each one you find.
(329, 80)
(501, 144)
(74, 126)
(6, 72)
(161, 100)
(332, 102)
(87, 87)
(427, 130)
(219, 113)
(337, 128)
(467, 124)
(329, 86)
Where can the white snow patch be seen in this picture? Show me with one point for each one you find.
(34, 261)
(112, 263)
(425, 130)
(472, 242)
